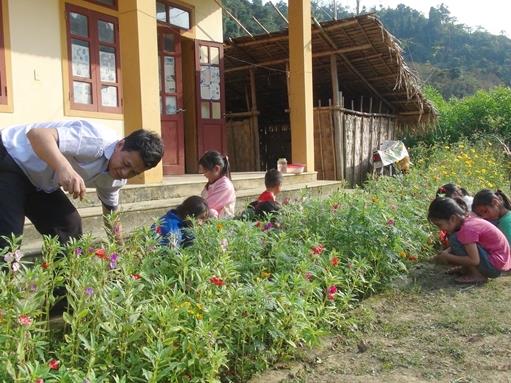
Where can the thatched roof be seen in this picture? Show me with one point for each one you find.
(369, 60)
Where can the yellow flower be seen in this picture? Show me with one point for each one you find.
(265, 274)
(219, 226)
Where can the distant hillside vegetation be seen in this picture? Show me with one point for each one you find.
(449, 56)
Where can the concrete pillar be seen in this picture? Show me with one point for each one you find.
(139, 66)
(300, 84)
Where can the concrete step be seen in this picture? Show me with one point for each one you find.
(136, 214)
(187, 185)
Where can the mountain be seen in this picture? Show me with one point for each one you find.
(452, 57)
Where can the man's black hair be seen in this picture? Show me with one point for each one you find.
(148, 144)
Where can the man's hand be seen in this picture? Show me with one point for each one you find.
(71, 181)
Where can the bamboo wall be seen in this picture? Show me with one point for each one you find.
(344, 141)
(242, 144)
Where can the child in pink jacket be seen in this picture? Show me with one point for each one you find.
(219, 191)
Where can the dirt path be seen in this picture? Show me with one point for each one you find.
(426, 329)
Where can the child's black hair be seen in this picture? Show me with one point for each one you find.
(193, 206)
(447, 190)
(445, 208)
(485, 197)
(273, 178)
(212, 158)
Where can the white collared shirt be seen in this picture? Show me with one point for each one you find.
(86, 145)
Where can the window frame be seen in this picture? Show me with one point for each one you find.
(4, 94)
(174, 5)
(115, 6)
(93, 17)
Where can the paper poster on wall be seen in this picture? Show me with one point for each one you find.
(205, 82)
(109, 96)
(107, 66)
(82, 92)
(170, 71)
(215, 83)
(80, 60)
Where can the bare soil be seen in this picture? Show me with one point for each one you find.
(426, 328)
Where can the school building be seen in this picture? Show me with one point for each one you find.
(156, 64)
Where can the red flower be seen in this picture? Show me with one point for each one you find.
(331, 292)
(444, 238)
(258, 224)
(334, 261)
(217, 281)
(136, 277)
(318, 249)
(390, 222)
(39, 380)
(158, 229)
(308, 276)
(412, 258)
(24, 320)
(335, 206)
(44, 265)
(101, 253)
(54, 364)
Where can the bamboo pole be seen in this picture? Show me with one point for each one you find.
(254, 119)
(320, 133)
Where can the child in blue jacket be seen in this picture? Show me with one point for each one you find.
(174, 226)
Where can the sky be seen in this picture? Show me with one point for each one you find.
(492, 15)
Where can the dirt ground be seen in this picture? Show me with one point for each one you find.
(424, 329)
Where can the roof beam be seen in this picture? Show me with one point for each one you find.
(285, 37)
(283, 61)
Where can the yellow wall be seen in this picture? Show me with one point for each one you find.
(36, 62)
(207, 20)
(39, 73)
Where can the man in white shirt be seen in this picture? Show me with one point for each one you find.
(37, 160)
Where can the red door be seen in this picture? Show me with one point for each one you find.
(171, 100)
(210, 97)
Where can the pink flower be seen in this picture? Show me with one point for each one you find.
(136, 277)
(217, 281)
(309, 276)
(15, 266)
(318, 249)
(54, 364)
(390, 222)
(334, 261)
(39, 380)
(24, 320)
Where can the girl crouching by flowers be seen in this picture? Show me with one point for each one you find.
(477, 247)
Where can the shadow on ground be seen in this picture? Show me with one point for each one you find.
(426, 328)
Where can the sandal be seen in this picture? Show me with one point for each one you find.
(471, 280)
(455, 270)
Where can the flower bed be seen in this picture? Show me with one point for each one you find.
(245, 295)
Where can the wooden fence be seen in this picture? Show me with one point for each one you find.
(344, 141)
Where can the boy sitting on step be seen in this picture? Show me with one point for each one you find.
(266, 203)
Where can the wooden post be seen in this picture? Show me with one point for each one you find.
(371, 124)
(362, 138)
(320, 134)
(338, 143)
(254, 120)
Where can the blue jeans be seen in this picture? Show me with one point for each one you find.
(484, 267)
